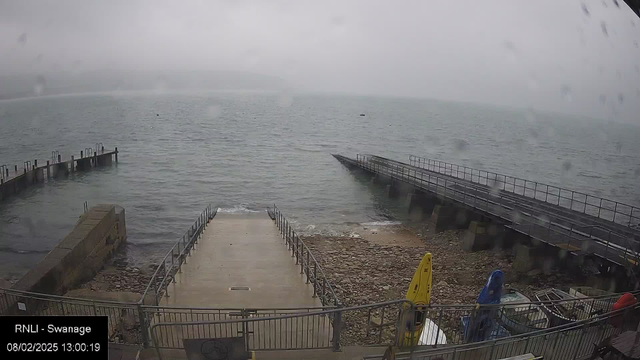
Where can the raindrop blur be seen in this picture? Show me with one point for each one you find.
(39, 58)
(512, 52)
(515, 216)
(22, 39)
(460, 145)
(530, 115)
(543, 220)
(603, 27)
(337, 21)
(285, 99)
(565, 90)
(38, 88)
(603, 99)
(620, 98)
(616, 3)
(566, 166)
(213, 111)
(495, 188)
(584, 9)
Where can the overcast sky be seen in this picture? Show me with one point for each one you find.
(568, 56)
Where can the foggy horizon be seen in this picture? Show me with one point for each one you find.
(575, 57)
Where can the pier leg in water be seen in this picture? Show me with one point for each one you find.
(420, 205)
(391, 190)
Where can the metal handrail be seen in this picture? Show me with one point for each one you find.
(442, 167)
(480, 188)
(180, 250)
(547, 333)
(447, 187)
(405, 311)
(299, 248)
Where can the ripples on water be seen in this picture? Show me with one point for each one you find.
(177, 155)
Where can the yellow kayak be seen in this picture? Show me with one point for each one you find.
(419, 293)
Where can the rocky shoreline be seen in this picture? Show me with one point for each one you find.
(120, 277)
(374, 265)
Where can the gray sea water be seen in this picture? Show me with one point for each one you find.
(245, 151)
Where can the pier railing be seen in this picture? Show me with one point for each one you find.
(602, 208)
(528, 220)
(304, 258)
(172, 262)
(386, 323)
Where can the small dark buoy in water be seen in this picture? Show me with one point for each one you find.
(361, 114)
(157, 114)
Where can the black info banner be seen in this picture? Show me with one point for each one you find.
(54, 337)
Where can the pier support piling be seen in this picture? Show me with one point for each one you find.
(391, 190)
(420, 205)
(447, 217)
(482, 236)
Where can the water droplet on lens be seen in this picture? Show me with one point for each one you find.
(512, 52)
(565, 90)
(337, 21)
(496, 187)
(530, 115)
(460, 145)
(603, 99)
(22, 39)
(620, 98)
(616, 3)
(543, 220)
(285, 99)
(515, 216)
(584, 9)
(618, 147)
(213, 111)
(566, 166)
(38, 88)
(603, 27)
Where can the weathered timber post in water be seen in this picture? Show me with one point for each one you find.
(32, 174)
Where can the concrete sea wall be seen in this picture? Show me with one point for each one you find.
(79, 256)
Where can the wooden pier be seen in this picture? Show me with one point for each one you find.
(15, 179)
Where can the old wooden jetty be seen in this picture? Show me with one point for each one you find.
(15, 179)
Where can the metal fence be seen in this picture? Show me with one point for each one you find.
(537, 223)
(610, 210)
(388, 323)
(395, 323)
(287, 329)
(304, 328)
(125, 320)
(172, 262)
(308, 264)
(570, 341)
